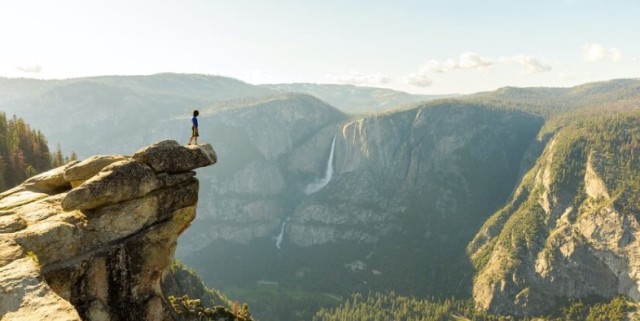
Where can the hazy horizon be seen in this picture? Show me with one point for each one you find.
(318, 83)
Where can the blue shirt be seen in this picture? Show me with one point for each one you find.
(194, 121)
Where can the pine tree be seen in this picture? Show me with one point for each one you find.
(24, 152)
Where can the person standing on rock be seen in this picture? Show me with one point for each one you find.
(194, 128)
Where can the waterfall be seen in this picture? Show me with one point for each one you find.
(312, 188)
(281, 235)
(321, 183)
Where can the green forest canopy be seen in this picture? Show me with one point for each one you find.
(390, 306)
(24, 152)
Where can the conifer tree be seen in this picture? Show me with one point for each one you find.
(24, 152)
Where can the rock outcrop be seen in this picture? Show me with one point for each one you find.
(92, 239)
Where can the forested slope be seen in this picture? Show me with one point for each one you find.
(571, 228)
(23, 152)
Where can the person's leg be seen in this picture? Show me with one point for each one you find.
(194, 133)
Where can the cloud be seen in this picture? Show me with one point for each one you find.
(359, 78)
(30, 68)
(471, 60)
(467, 60)
(419, 79)
(593, 52)
(530, 63)
(616, 54)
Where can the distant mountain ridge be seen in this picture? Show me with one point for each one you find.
(194, 86)
(128, 109)
(355, 99)
(612, 95)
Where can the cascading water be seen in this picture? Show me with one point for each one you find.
(321, 183)
(281, 235)
(312, 188)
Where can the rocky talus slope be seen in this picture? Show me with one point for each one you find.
(91, 240)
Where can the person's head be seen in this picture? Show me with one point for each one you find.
(196, 113)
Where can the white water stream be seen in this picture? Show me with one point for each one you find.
(321, 183)
(281, 235)
(312, 188)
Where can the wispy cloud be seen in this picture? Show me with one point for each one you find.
(593, 52)
(419, 79)
(423, 77)
(616, 54)
(359, 78)
(30, 68)
(531, 64)
(467, 60)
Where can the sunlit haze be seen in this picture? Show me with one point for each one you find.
(429, 47)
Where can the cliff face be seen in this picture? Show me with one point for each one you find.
(571, 229)
(92, 239)
(431, 168)
(405, 186)
(251, 192)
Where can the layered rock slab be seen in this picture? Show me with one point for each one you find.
(97, 251)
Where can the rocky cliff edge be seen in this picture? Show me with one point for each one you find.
(91, 240)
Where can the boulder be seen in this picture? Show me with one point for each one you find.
(171, 157)
(91, 166)
(118, 182)
(50, 182)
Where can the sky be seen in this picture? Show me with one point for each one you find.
(425, 47)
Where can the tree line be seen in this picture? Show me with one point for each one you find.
(24, 152)
(391, 306)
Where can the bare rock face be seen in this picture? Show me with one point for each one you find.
(118, 182)
(50, 181)
(169, 156)
(97, 251)
(81, 171)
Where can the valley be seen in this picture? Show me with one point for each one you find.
(515, 199)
